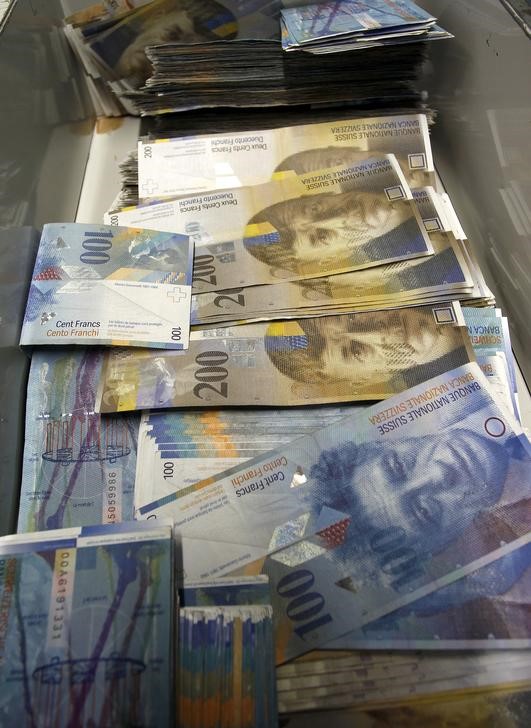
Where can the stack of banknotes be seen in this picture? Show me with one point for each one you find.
(87, 626)
(339, 25)
(329, 272)
(373, 680)
(226, 668)
(172, 55)
(106, 285)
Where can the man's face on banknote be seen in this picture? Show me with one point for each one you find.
(432, 486)
(340, 223)
(382, 345)
(318, 231)
(365, 348)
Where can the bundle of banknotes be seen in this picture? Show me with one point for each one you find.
(374, 680)
(170, 55)
(330, 272)
(111, 286)
(339, 25)
(226, 669)
(87, 627)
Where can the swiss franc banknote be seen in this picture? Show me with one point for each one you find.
(368, 515)
(121, 47)
(226, 667)
(318, 360)
(295, 226)
(226, 591)
(417, 681)
(96, 284)
(87, 619)
(489, 334)
(488, 609)
(441, 276)
(185, 165)
(321, 23)
(78, 467)
(178, 448)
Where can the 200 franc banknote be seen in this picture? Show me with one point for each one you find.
(78, 467)
(363, 356)
(96, 284)
(443, 275)
(296, 226)
(180, 166)
(368, 515)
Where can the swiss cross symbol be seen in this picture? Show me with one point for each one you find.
(334, 535)
(149, 186)
(177, 295)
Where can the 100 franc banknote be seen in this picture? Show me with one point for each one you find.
(330, 221)
(316, 360)
(179, 166)
(96, 284)
(367, 515)
(78, 466)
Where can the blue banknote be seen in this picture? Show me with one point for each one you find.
(367, 515)
(78, 466)
(97, 284)
(488, 609)
(311, 23)
(86, 629)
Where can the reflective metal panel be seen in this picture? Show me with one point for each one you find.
(480, 84)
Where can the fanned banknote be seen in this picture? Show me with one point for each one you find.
(489, 334)
(417, 685)
(369, 515)
(87, 618)
(295, 226)
(226, 667)
(78, 467)
(444, 275)
(491, 705)
(183, 165)
(96, 284)
(178, 448)
(321, 360)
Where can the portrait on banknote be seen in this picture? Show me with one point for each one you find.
(162, 21)
(315, 231)
(367, 349)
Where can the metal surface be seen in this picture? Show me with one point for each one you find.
(45, 136)
(479, 83)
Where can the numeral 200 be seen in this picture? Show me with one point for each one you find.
(210, 370)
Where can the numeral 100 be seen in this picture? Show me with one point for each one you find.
(96, 246)
(304, 605)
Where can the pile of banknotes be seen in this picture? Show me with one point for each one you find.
(336, 26)
(109, 286)
(226, 654)
(171, 55)
(377, 679)
(338, 449)
(87, 627)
